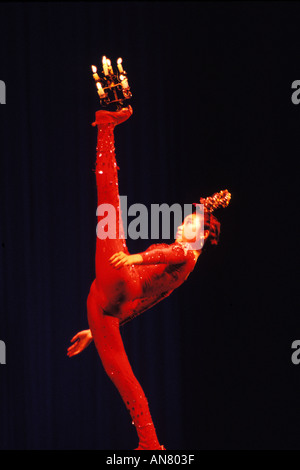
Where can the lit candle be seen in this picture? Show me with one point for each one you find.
(95, 75)
(110, 69)
(119, 65)
(124, 82)
(100, 90)
(105, 68)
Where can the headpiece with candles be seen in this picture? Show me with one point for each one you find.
(112, 86)
(211, 223)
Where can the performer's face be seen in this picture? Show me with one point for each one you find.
(189, 230)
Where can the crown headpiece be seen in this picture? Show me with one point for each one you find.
(220, 199)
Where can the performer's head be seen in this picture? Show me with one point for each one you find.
(190, 230)
(202, 224)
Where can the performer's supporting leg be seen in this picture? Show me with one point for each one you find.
(108, 341)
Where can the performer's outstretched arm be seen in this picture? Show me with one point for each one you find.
(175, 253)
(172, 254)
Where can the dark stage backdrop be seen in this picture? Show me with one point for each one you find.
(211, 87)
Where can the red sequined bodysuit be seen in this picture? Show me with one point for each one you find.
(118, 295)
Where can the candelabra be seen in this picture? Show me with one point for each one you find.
(113, 88)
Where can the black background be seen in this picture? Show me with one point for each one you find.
(211, 85)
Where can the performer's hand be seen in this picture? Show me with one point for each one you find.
(81, 341)
(121, 259)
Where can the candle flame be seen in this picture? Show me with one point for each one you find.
(94, 69)
(122, 77)
(119, 61)
(104, 60)
(108, 62)
(98, 85)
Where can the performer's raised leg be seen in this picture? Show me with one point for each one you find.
(118, 286)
